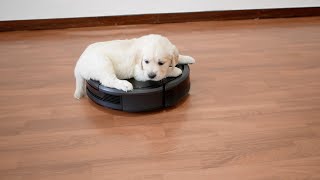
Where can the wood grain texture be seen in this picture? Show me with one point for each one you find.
(252, 112)
(42, 24)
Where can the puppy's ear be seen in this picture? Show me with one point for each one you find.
(137, 58)
(141, 65)
(174, 56)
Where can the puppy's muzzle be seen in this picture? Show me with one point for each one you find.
(152, 75)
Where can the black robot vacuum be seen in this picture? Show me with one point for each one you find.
(145, 96)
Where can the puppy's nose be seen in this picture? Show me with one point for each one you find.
(152, 75)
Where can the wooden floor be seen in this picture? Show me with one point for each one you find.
(253, 111)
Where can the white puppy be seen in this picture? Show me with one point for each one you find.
(151, 57)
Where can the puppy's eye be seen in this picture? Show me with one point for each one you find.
(146, 61)
(160, 63)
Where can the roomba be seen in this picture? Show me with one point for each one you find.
(145, 96)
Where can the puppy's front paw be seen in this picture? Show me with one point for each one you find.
(190, 60)
(124, 85)
(175, 72)
(186, 60)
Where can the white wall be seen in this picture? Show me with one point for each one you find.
(47, 9)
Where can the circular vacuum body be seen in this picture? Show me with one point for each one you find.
(145, 96)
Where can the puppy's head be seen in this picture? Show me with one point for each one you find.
(158, 55)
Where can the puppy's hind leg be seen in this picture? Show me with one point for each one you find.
(80, 86)
(186, 60)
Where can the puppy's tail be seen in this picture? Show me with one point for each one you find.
(80, 85)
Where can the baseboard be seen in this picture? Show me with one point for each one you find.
(158, 18)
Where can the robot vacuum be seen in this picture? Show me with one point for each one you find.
(145, 96)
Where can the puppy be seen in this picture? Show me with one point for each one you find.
(150, 57)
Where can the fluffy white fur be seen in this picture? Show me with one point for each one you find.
(151, 57)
